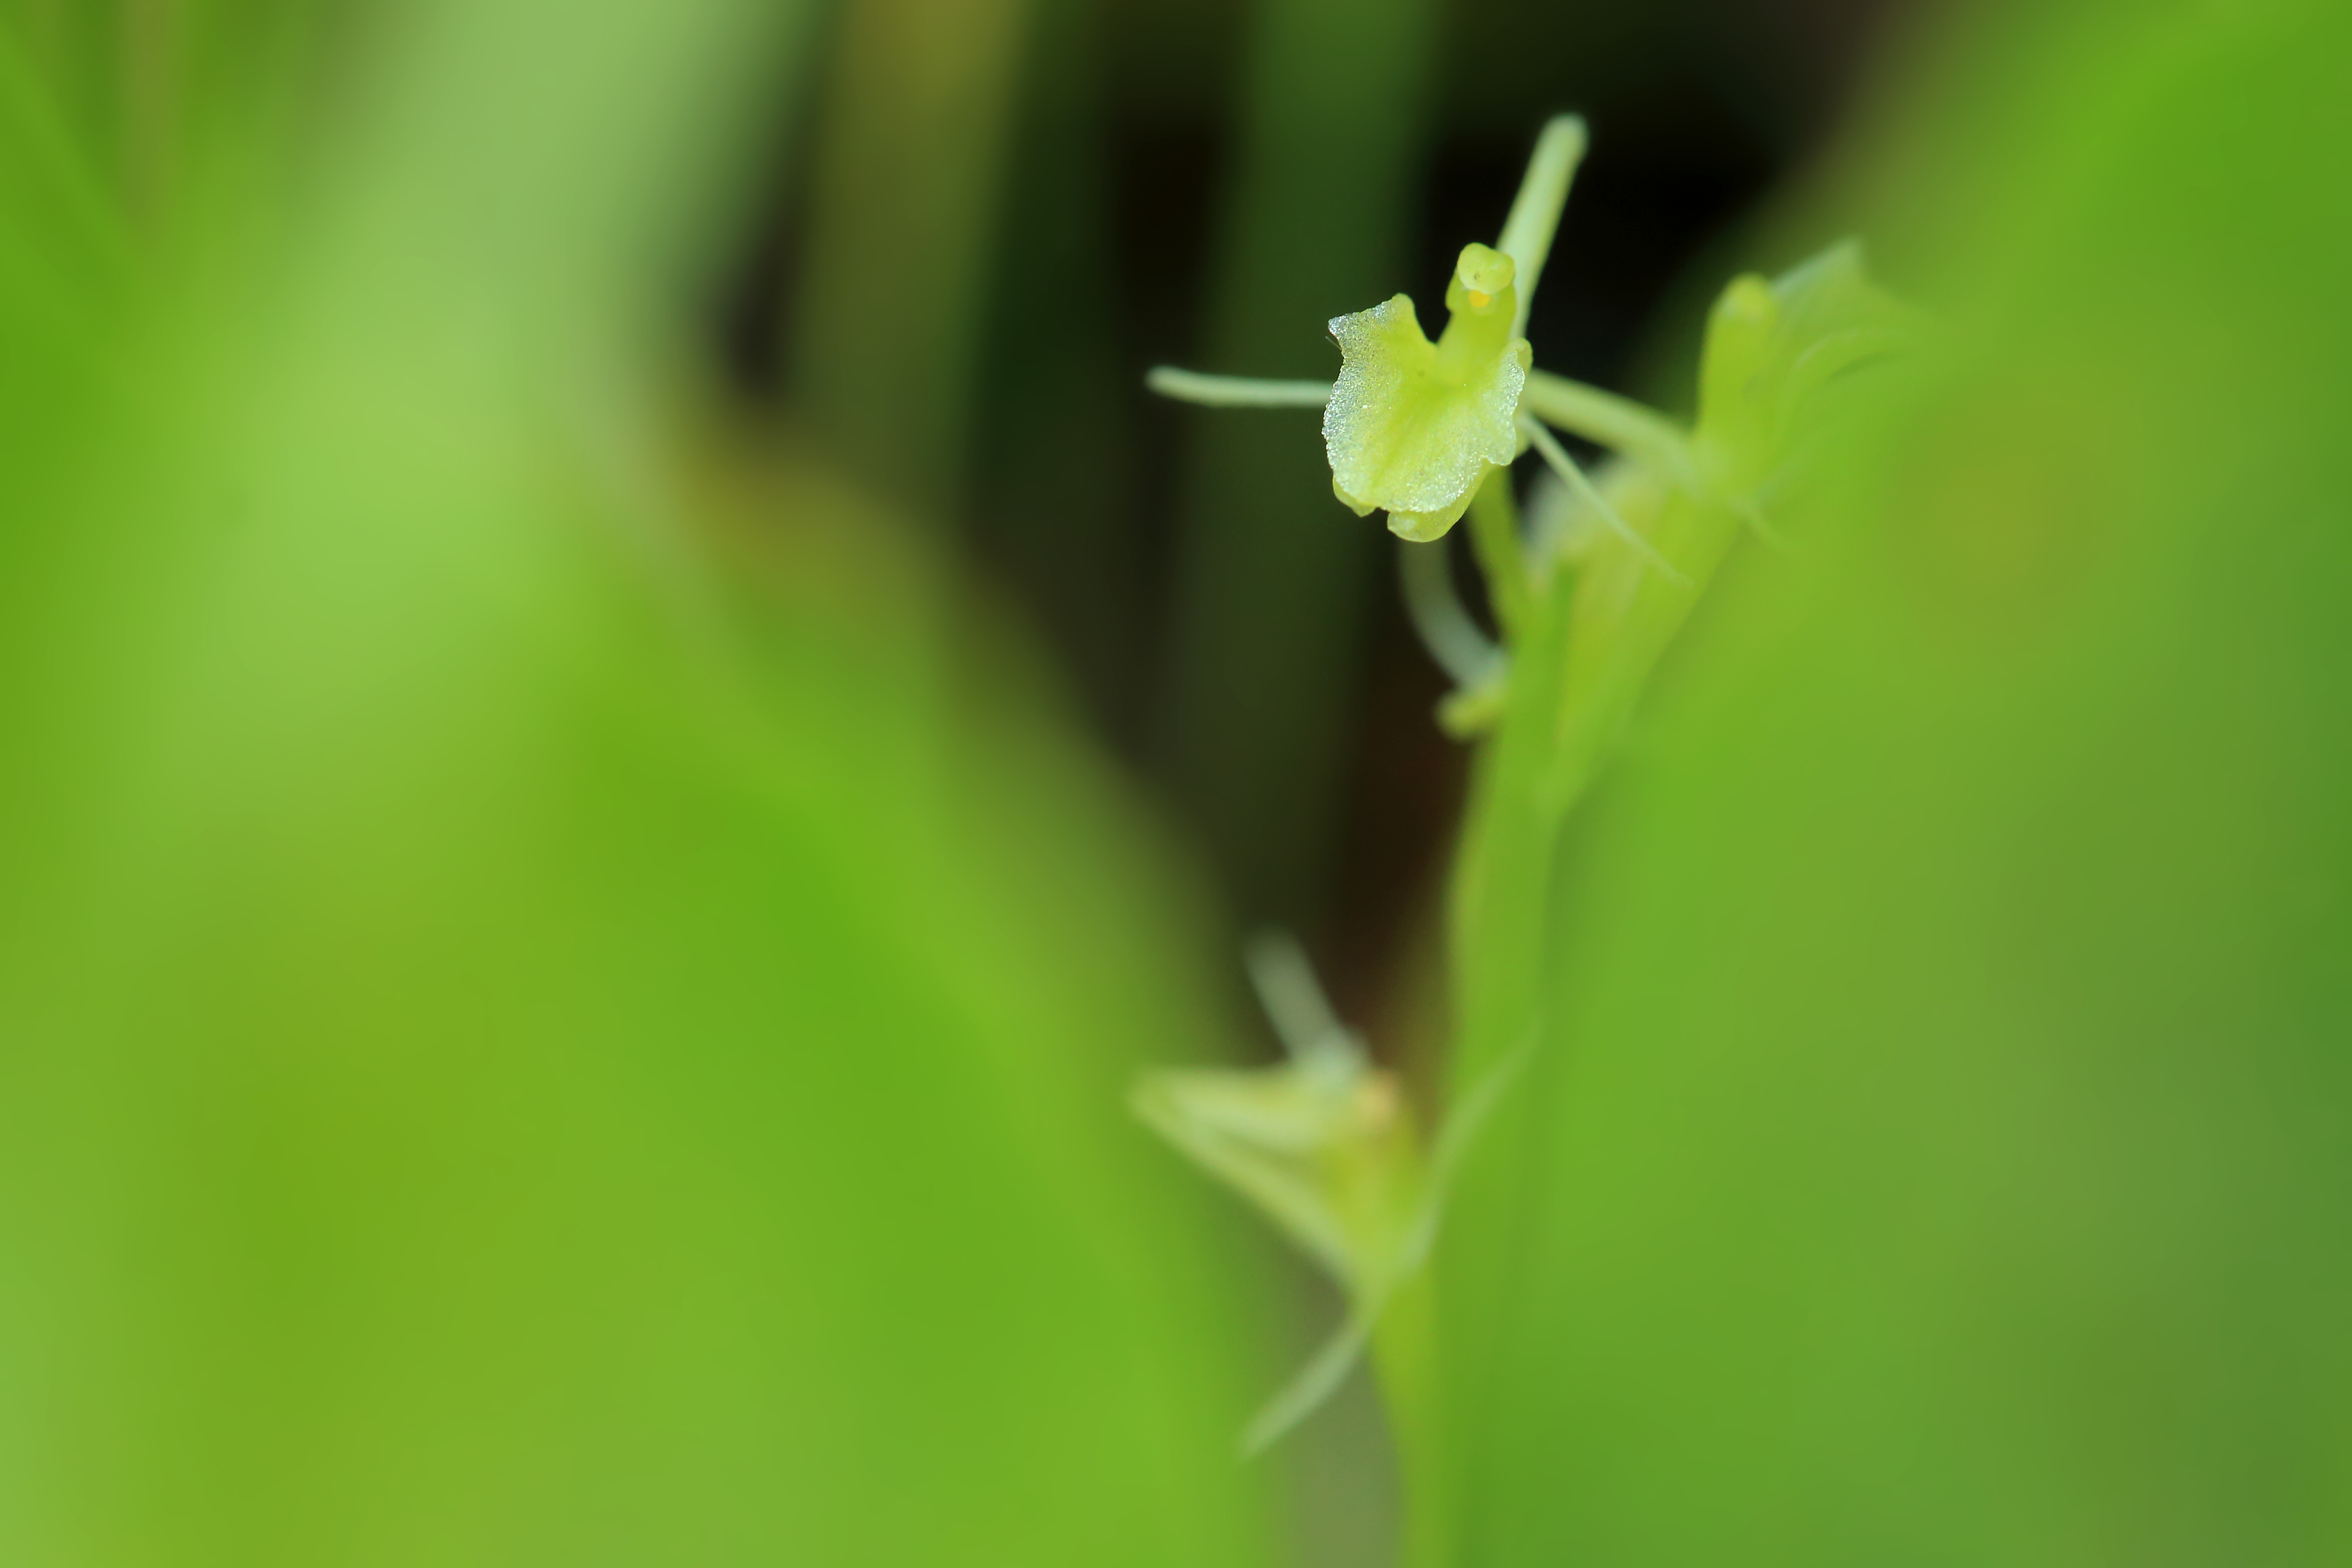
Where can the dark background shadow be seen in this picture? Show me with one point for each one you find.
(1203, 182)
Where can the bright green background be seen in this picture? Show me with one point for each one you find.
(539, 1020)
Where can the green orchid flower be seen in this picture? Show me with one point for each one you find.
(1411, 427)
(1414, 428)
(1325, 1145)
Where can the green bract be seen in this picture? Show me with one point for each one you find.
(1413, 427)
(1772, 349)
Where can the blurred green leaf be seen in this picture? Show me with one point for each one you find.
(538, 1023)
(1944, 1142)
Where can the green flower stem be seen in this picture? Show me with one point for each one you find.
(1571, 473)
(1494, 533)
(1580, 659)
(1586, 646)
(1608, 420)
(1404, 1355)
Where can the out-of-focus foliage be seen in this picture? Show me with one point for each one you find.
(542, 1019)
(1269, 599)
(906, 221)
(1945, 1150)
(560, 1003)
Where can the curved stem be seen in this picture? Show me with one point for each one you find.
(1295, 1003)
(1404, 1352)
(1566, 468)
(1454, 640)
(1535, 213)
(1235, 391)
(1620, 423)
